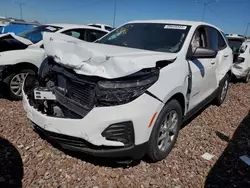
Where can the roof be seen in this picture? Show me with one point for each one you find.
(76, 26)
(181, 22)
(235, 36)
(100, 24)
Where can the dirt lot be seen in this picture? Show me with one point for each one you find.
(27, 159)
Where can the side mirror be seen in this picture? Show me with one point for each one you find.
(203, 53)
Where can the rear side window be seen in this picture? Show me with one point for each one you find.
(213, 38)
(93, 35)
(98, 26)
(108, 28)
(222, 43)
(76, 33)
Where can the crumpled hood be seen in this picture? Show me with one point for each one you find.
(21, 39)
(101, 60)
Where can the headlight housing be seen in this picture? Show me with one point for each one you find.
(125, 90)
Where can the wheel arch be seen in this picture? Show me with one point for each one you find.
(181, 99)
(24, 65)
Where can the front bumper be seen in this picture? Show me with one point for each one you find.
(87, 132)
(79, 145)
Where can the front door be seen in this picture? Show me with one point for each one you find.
(203, 70)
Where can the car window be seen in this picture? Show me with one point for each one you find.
(213, 38)
(36, 34)
(148, 36)
(108, 28)
(93, 35)
(98, 26)
(199, 39)
(243, 48)
(222, 43)
(235, 44)
(76, 33)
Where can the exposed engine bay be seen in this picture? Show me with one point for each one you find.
(60, 92)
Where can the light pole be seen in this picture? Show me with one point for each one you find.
(21, 8)
(247, 29)
(114, 14)
(205, 6)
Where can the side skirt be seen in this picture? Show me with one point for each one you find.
(201, 105)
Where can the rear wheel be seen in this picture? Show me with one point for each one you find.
(165, 131)
(223, 90)
(14, 83)
(247, 78)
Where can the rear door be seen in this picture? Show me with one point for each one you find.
(224, 59)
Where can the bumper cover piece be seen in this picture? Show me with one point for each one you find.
(70, 143)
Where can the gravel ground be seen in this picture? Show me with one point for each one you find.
(223, 132)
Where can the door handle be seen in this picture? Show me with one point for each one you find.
(226, 55)
(212, 62)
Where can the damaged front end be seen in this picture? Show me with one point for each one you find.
(60, 92)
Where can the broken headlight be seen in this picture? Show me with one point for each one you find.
(122, 91)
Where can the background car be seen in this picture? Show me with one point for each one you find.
(20, 57)
(241, 67)
(102, 26)
(235, 41)
(240, 46)
(18, 27)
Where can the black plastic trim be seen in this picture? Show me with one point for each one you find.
(152, 95)
(201, 105)
(80, 145)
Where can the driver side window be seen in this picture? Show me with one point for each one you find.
(199, 39)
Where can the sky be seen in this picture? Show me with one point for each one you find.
(232, 16)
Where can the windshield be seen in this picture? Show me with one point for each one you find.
(235, 44)
(148, 36)
(36, 34)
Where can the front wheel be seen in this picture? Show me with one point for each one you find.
(222, 91)
(14, 83)
(165, 131)
(247, 78)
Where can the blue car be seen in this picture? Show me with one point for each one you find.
(17, 27)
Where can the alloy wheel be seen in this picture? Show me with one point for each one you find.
(16, 83)
(224, 90)
(168, 131)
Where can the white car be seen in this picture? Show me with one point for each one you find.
(241, 48)
(102, 26)
(23, 54)
(127, 94)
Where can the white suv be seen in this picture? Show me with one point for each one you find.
(128, 94)
(241, 49)
(23, 54)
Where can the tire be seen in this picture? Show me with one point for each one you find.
(222, 91)
(16, 77)
(247, 78)
(156, 150)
